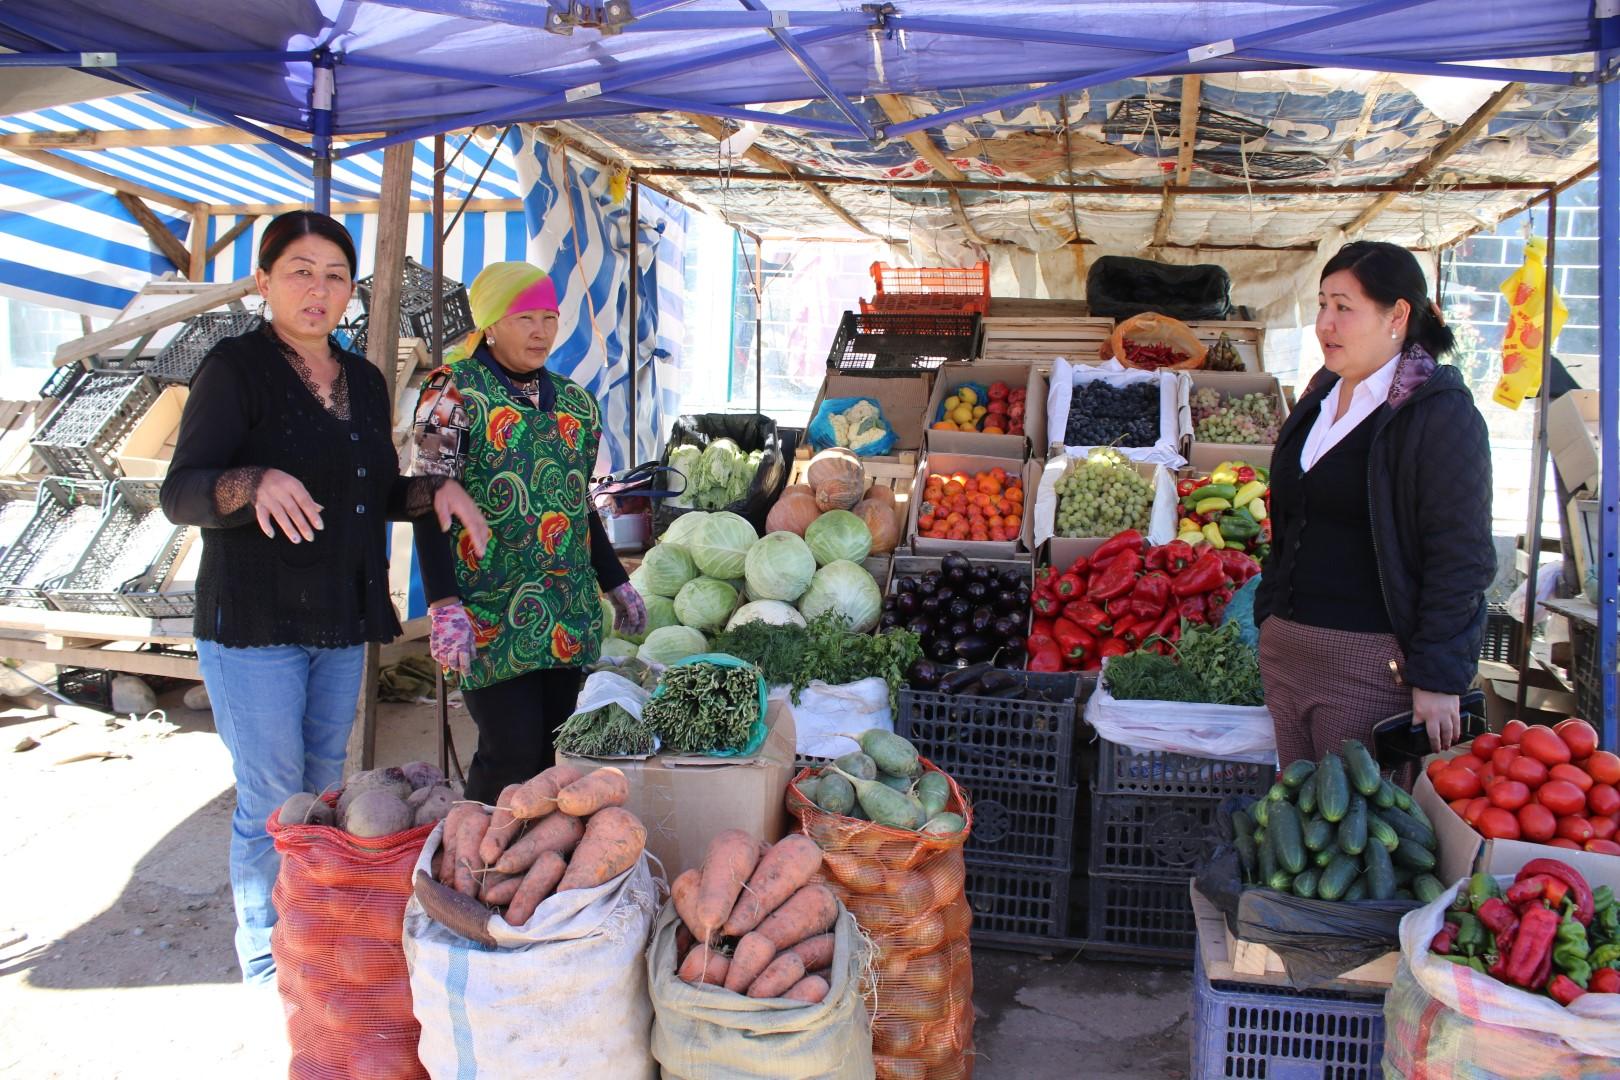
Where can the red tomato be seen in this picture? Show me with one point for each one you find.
(1603, 828)
(1434, 766)
(1513, 731)
(1467, 761)
(1487, 776)
(1575, 828)
(1537, 823)
(1579, 736)
(1559, 841)
(1603, 800)
(1508, 794)
(1504, 757)
(1476, 807)
(1604, 767)
(1543, 744)
(1561, 797)
(1498, 824)
(1485, 745)
(1603, 847)
(1527, 770)
(1461, 783)
(1579, 777)
(1459, 806)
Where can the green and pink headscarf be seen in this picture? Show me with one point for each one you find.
(502, 289)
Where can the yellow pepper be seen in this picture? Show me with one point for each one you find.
(1190, 536)
(1257, 509)
(1253, 489)
(1212, 533)
(1223, 475)
(1187, 524)
(1214, 502)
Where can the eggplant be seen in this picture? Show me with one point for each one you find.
(946, 593)
(981, 619)
(979, 573)
(958, 630)
(889, 621)
(929, 605)
(1010, 579)
(906, 604)
(923, 674)
(959, 610)
(1023, 595)
(976, 647)
(888, 602)
(998, 679)
(921, 625)
(1008, 603)
(941, 650)
(955, 563)
(905, 585)
(1004, 692)
(926, 588)
(1010, 627)
(952, 681)
(931, 575)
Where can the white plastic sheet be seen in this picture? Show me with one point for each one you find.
(1162, 520)
(1175, 413)
(826, 712)
(1233, 732)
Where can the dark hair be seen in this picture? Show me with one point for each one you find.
(295, 223)
(1387, 273)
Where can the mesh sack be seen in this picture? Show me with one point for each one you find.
(906, 892)
(340, 964)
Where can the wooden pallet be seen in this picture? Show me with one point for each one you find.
(1039, 340)
(1247, 337)
(895, 471)
(1230, 960)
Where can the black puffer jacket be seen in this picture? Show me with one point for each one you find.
(1429, 482)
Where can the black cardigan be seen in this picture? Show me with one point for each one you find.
(250, 411)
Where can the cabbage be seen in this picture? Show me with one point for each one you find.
(719, 470)
(838, 534)
(705, 604)
(720, 545)
(617, 647)
(666, 568)
(779, 567)
(687, 459)
(668, 644)
(766, 611)
(660, 612)
(847, 589)
(681, 529)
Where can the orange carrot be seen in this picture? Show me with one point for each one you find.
(779, 977)
(594, 791)
(816, 952)
(614, 840)
(812, 990)
(554, 832)
(808, 912)
(752, 955)
(537, 797)
(538, 884)
(503, 828)
(497, 889)
(683, 893)
(705, 965)
(782, 872)
(726, 867)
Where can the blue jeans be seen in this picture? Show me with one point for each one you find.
(284, 713)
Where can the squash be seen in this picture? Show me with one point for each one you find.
(838, 479)
(793, 512)
(881, 522)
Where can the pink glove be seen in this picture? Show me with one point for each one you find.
(451, 639)
(630, 613)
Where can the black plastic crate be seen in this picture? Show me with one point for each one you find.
(82, 436)
(1504, 636)
(63, 379)
(183, 355)
(1150, 835)
(1027, 825)
(416, 307)
(902, 344)
(65, 518)
(1585, 672)
(85, 686)
(131, 552)
(1141, 918)
(1002, 740)
(1121, 769)
(1017, 907)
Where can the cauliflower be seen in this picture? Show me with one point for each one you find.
(858, 426)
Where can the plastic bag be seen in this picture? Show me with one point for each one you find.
(824, 712)
(563, 994)
(1175, 414)
(750, 432)
(822, 434)
(1240, 610)
(981, 394)
(906, 891)
(1234, 732)
(1151, 329)
(1118, 286)
(706, 1033)
(340, 966)
(1445, 1021)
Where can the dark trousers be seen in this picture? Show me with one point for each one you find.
(516, 720)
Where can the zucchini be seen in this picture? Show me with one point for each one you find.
(933, 791)
(1357, 889)
(893, 754)
(1242, 823)
(1353, 829)
(1362, 768)
(1297, 773)
(1325, 857)
(1378, 829)
(1336, 879)
(1412, 854)
(887, 806)
(1282, 881)
(1307, 792)
(1380, 873)
(1286, 841)
(1332, 788)
(1247, 855)
(1261, 811)
(1408, 827)
(1305, 885)
(1317, 834)
(1427, 888)
(1385, 798)
(1279, 792)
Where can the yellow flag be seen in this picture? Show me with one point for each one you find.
(1522, 341)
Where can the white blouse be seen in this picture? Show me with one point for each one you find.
(1328, 432)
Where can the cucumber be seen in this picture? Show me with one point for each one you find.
(1242, 823)
(835, 795)
(1317, 834)
(933, 791)
(897, 783)
(1404, 875)
(1306, 799)
(1385, 798)
(1284, 834)
(1427, 888)
(1357, 889)
(1325, 857)
(1353, 829)
(1279, 792)
(1260, 809)
(858, 765)
(1419, 816)
(1336, 879)
(1362, 768)
(1414, 855)
(1297, 773)
(1282, 881)
(894, 755)
(1305, 885)
(1403, 800)
(1378, 829)
(1404, 894)
(1380, 873)
(1408, 827)
(1332, 788)
(1265, 859)
(1247, 855)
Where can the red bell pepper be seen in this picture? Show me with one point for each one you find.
(1215, 604)
(1563, 989)
(1193, 610)
(1117, 579)
(1069, 587)
(1532, 946)
(1186, 487)
(1204, 575)
(1496, 915)
(1157, 558)
(1041, 626)
(1528, 890)
(1046, 605)
(1129, 630)
(1180, 555)
(1576, 885)
(1046, 659)
(1239, 566)
(1045, 578)
(1079, 567)
(1168, 628)
(1129, 540)
(1150, 595)
(1442, 941)
(1245, 473)
(1090, 617)
(1112, 647)
(1036, 642)
(1604, 980)
(1071, 640)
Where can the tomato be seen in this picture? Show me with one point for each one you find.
(1476, 807)
(1604, 767)
(1537, 823)
(1508, 794)
(1527, 770)
(1603, 828)
(1461, 784)
(1579, 736)
(1513, 731)
(1575, 828)
(1485, 745)
(1504, 757)
(1559, 841)
(1579, 777)
(1498, 824)
(1435, 766)
(1561, 797)
(1603, 847)
(1603, 800)
(1467, 761)
(1487, 776)
(1543, 744)
(1459, 806)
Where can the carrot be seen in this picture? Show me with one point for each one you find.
(496, 889)
(537, 796)
(812, 990)
(467, 864)
(752, 955)
(808, 912)
(683, 940)
(726, 867)
(462, 914)
(614, 840)
(783, 871)
(503, 828)
(556, 832)
(779, 977)
(683, 893)
(705, 965)
(593, 792)
(538, 884)
(816, 952)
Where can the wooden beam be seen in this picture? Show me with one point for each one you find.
(92, 139)
(898, 112)
(165, 241)
(198, 243)
(364, 206)
(106, 180)
(1167, 210)
(1463, 134)
(1191, 89)
(133, 661)
(73, 624)
(229, 236)
(124, 330)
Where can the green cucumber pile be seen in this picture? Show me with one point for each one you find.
(883, 782)
(1338, 830)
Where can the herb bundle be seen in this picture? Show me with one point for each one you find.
(605, 732)
(705, 707)
(825, 650)
(1211, 665)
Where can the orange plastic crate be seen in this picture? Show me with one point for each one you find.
(927, 289)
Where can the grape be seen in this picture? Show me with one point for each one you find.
(1222, 418)
(1105, 415)
(1102, 495)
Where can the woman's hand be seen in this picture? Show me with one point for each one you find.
(452, 501)
(1440, 714)
(450, 640)
(281, 499)
(629, 612)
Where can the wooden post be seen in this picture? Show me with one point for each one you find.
(198, 270)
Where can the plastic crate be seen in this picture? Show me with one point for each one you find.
(1121, 769)
(1005, 740)
(902, 344)
(85, 686)
(1504, 636)
(81, 438)
(930, 289)
(1150, 835)
(17, 504)
(1027, 825)
(63, 379)
(1141, 918)
(416, 307)
(130, 552)
(1017, 907)
(1585, 672)
(184, 353)
(65, 519)
(1274, 1033)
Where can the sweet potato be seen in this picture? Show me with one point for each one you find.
(462, 914)
(554, 832)
(726, 867)
(503, 828)
(752, 956)
(683, 893)
(808, 912)
(594, 791)
(497, 889)
(537, 796)
(783, 871)
(614, 840)
(812, 990)
(470, 830)
(779, 977)
(538, 883)
(458, 824)
(705, 964)
(816, 952)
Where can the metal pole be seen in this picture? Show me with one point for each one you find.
(633, 351)
(321, 92)
(437, 344)
(1608, 365)
(1538, 463)
(759, 327)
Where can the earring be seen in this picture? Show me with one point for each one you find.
(262, 303)
(1393, 336)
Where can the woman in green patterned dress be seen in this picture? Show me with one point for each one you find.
(519, 624)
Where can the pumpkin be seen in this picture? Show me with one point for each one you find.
(882, 522)
(882, 492)
(793, 512)
(838, 478)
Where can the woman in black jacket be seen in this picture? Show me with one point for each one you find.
(1373, 596)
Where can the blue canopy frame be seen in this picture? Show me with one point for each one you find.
(416, 68)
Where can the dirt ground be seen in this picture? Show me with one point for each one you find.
(116, 922)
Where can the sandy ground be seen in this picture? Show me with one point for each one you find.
(116, 923)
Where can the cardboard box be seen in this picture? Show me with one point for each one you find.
(148, 449)
(1162, 516)
(1572, 436)
(1247, 337)
(1545, 702)
(1203, 457)
(1030, 472)
(903, 400)
(686, 800)
(1017, 376)
(1236, 384)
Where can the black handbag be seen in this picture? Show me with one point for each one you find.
(1397, 740)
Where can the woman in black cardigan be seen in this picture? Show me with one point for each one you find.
(285, 458)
